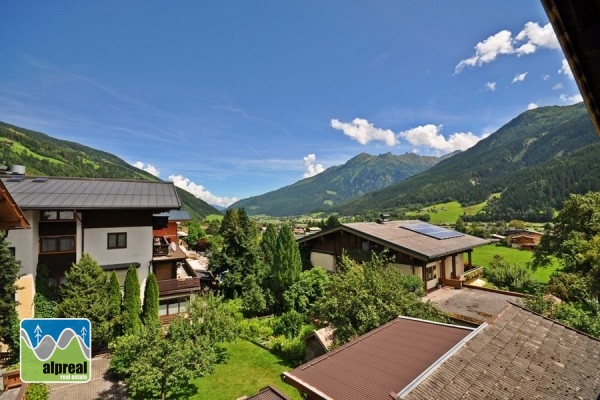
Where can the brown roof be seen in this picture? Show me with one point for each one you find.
(378, 363)
(521, 355)
(577, 27)
(81, 193)
(396, 236)
(11, 215)
(268, 393)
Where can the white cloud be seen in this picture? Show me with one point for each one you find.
(148, 168)
(490, 86)
(532, 106)
(558, 86)
(200, 192)
(312, 169)
(430, 136)
(576, 98)
(364, 132)
(536, 36)
(519, 77)
(545, 77)
(532, 37)
(565, 69)
(487, 50)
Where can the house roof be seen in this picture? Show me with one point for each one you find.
(81, 193)
(175, 215)
(383, 361)
(268, 393)
(397, 235)
(520, 355)
(577, 27)
(11, 215)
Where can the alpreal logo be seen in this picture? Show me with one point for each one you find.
(56, 350)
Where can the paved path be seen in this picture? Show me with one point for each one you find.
(99, 387)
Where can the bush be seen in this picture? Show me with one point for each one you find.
(292, 350)
(37, 391)
(515, 277)
(289, 324)
(256, 329)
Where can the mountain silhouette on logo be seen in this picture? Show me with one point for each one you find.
(47, 345)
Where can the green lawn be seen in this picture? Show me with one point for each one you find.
(483, 255)
(249, 369)
(448, 213)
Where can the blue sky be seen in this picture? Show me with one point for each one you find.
(232, 99)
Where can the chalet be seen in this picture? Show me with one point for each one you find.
(112, 220)
(437, 255)
(525, 239)
(520, 354)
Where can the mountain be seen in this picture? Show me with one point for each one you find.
(362, 174)
(535, 161)
(47, 156)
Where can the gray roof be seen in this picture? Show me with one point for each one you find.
(175, 215)
(80, 193)
(521, 355)
(393, 235)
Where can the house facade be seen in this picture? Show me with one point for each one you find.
(437, 255)
(111, 220)
(525, 239)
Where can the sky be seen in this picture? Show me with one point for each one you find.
(233, 99)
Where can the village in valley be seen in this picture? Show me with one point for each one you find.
(424, 301)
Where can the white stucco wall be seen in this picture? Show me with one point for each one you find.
(139, 247)
(26, 243)
(404, 268)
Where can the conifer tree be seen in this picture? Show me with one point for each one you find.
(9, 320)
(287, 264)
(114, 302)
(150, 306)
(131, 302)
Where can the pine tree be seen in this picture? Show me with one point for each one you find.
(268, 244)
(114, 302)
(85, 295)
(287, 264)
(131, 302)
(9, 320)
(150, 306)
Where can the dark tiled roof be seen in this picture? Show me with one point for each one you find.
(392, 235)
(80, 193)
(378, 363)
(268, 393)
(521, 355)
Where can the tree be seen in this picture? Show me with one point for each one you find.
(150, 306)
(131, 302)
(160, 365)
(84, 294)
(460, 226)
(287, 264)
(114, 302)
(46, 298)
(309, 288)
(9, 320)
(268, 244)
(362, 297)
(195, 232)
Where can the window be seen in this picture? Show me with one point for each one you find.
(117, 240)
(173, 306)
(58, 215)
(57, 244)
(430, 273)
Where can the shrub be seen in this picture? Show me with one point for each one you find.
(511, 276)
(37, 391)
(292, 350)
(289, 324)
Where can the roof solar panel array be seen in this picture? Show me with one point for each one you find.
(433, 231)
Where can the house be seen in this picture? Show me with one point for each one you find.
(318, 343)
(435, 254)
(112, 220)
(11, 217)
(525, 239)
(380, 362)
(520, 355)
(267, 393)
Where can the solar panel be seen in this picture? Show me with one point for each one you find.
(433, 231)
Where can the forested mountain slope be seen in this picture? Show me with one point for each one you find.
(535, 161)
(44, 155)
(362, 174)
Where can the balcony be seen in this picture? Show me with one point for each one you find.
(160, 247)
(173, 286)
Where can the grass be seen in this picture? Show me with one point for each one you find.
(448, 213)
(483, 255)
(249, 369)
(19, 149)
(211, 217)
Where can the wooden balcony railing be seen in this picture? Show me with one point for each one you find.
(170, 286)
